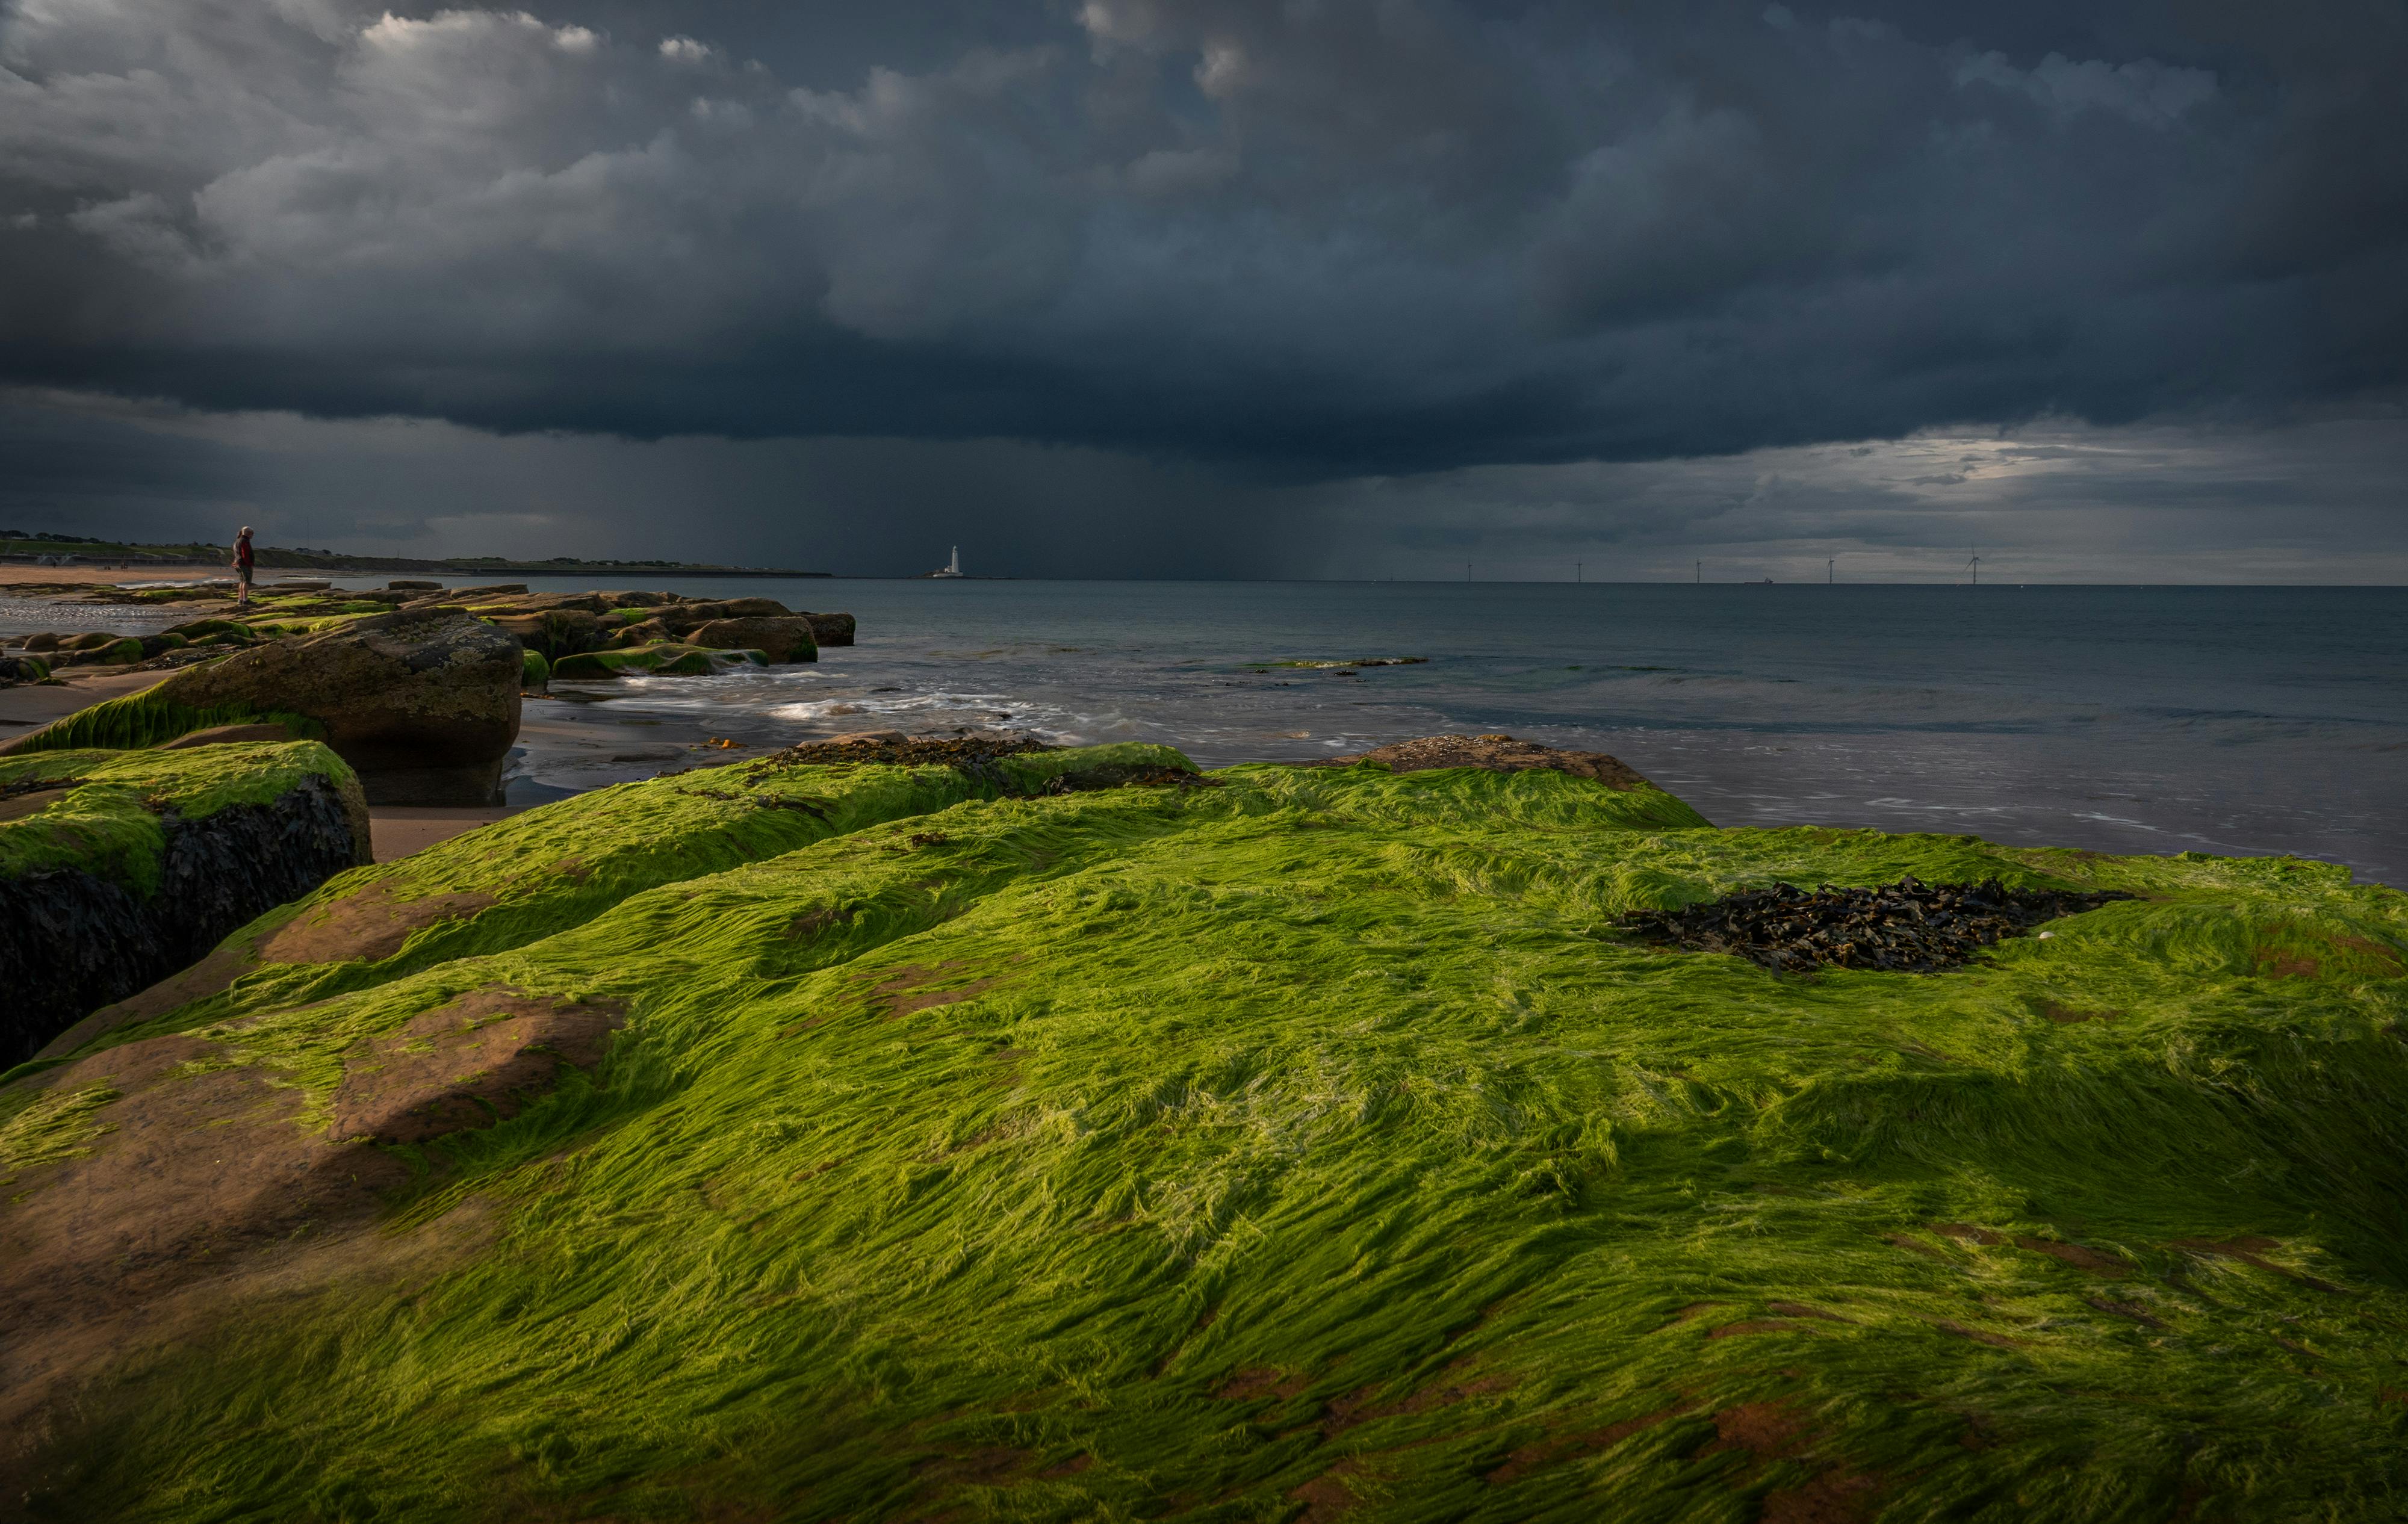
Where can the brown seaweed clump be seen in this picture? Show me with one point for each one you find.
(1496, 754)
(893, 748)
(1909, 927)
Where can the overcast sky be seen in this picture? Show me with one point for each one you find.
(1302, 288)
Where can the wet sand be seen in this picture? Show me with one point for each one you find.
(400, 830)
(86, 573)
(32, 705)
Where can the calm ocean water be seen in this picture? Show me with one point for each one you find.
(2150, 719)
(2233, 720)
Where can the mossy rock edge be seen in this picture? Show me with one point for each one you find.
(119, 868)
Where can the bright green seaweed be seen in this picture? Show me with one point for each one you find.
(1316, 1144)
(109, 824)
(138, 719)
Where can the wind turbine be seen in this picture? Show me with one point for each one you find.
(1973, 565)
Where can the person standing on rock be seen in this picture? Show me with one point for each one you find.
(242, 565)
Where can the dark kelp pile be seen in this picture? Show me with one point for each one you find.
(1127, 774)
(1909, 927)
(894, 749)
(978, 756)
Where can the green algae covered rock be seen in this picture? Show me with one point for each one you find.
(109, 651)
(668, 659)
(423, 705)
(117, 868)
(535, 672)
(882, 1141)
(780, 639)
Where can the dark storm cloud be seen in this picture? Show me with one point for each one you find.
(1313, 238)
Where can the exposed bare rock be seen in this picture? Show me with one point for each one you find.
(787, 639)
(423, 706)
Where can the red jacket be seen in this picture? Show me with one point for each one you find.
(242, 553)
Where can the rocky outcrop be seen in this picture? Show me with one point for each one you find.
(126, 888)
(644, 633)
(786, 639)
(554, 632)
(664, 661)
(682, 617)
(943, 1085)
(830, 628)
(424, 706)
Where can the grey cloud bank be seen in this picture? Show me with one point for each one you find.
(1402, 279)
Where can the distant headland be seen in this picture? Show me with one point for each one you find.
(22, 549)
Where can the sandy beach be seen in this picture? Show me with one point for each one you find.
(84, 573)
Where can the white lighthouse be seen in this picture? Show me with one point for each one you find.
(951, 568)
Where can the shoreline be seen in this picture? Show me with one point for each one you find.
(82, 571)
(2065, 731)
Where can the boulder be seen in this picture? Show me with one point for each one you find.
(830, 628)
(117, 868)
(424, 706)
(589, 602)
(42, 640)
(685, 617)
(215, 633)
(554, 632)
(22, 669)
(196, 629)
(669, 661)
(107, 650)
(787, 639)
(644, 633)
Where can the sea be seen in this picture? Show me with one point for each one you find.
(2214, 719)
